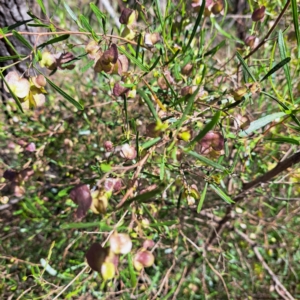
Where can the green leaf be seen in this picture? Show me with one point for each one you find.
(257, 124)
(149, 103)
(137, 50)
(38, 25)
(133, 279)
(245, 66)
(155, 63)
(188, 108)
(150, 143)
(54, 40)
(70, 12)
(145, 197)
(205, 160)
(157, 4)
(22, 40)
(224, 32)
(285, 107)
(105, 168)
(42, 6)
(172, 58)
(133, 59)
(8, 42)
(64, 192)
(222, 194)
(6, 58)
(85, 225)
(12, 93)
(296, 24)
(201, 201)
(17, 24)
(214, 50)
(209, 126)
(283, 56)
(162, 167)
(86, 24)
(65, 95)
(99, 15)
(283, 140)
(199, 18)
(169, 85)
(276, 68)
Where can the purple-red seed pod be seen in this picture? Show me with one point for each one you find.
(258, 14)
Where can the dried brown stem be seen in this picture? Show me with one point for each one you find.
(281, 167)
(280, 288)
(135, 177)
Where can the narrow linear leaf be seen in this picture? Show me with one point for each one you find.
(285, 107)
(172, 58)
(65, 95)
(70, 12)
(282, 140)
(276, 68)
(245, 66)
(12, 93)
(209, 126)
(257, 124)
(222, 194)
(201, 201)
(296, 23)
(214, 50)
(149, 103)
(224, 32)
(145, 197)
(87, 66)
(133, 59)
(133, 278)
(6, 58)
(18, 24)
(205, 160)
(283, 56)
(150, 143)
(38, 25)
(137, 50)
(42, 6)
(22, 40)
(198, 20)
(162, 168)
(86, 24)
(155, 63)
(54, 40)
(157, 4)
(169, 85)
(99, 15)
(82, 225)
(8, 42)
(188, 108)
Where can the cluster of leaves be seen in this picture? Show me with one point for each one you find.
(188, 130)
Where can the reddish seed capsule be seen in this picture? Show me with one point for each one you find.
(258, 14)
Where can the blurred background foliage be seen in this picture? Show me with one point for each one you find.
(42, 245)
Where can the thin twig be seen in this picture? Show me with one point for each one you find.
(283, 292)
(270, 31)
(281, 167)
(220, 276)
(71, 282)
(180, 283)
(135, 177)
(71, 33)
